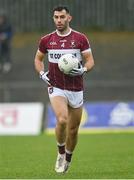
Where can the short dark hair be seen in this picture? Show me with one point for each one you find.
(60, 8)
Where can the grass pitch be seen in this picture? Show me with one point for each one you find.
(97, 156)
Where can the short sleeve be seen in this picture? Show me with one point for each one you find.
(85, 46)
(42, 45)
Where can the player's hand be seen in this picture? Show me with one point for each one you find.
(78, 71)
(44, 77)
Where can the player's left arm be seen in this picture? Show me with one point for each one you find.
(88, 65)
(89, 60)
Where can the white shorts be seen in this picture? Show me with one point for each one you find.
(74, 98)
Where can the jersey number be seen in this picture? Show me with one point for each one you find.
(63, 45)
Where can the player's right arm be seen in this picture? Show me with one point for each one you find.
(38, 61)
(39, 66)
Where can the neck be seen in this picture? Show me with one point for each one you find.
(65, 32)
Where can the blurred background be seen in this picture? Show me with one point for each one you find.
(109, 25)
(109, 93)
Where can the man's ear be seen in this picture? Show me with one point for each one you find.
(69, 18)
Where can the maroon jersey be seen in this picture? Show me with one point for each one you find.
(55, 45)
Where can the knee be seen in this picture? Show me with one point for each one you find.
(62, 120)
(73, 131)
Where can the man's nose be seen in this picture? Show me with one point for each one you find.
(59, 19)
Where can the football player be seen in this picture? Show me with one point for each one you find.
(65, 91)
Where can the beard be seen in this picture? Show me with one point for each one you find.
(61, 27)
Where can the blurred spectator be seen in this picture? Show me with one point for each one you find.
(5, 43)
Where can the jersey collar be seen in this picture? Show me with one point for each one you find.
(63, 35)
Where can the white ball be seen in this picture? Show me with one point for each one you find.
(67, 62)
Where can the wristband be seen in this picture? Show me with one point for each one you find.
(85, 69)
(41, 73)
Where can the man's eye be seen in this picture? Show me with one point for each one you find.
(62, 17)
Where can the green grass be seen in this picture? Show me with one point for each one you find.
(97, 156)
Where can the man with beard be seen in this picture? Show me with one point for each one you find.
(65, 91)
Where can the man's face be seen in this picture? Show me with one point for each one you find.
(61, 20)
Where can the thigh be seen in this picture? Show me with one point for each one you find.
(58, 101)
(59, 105)
(75, 115)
